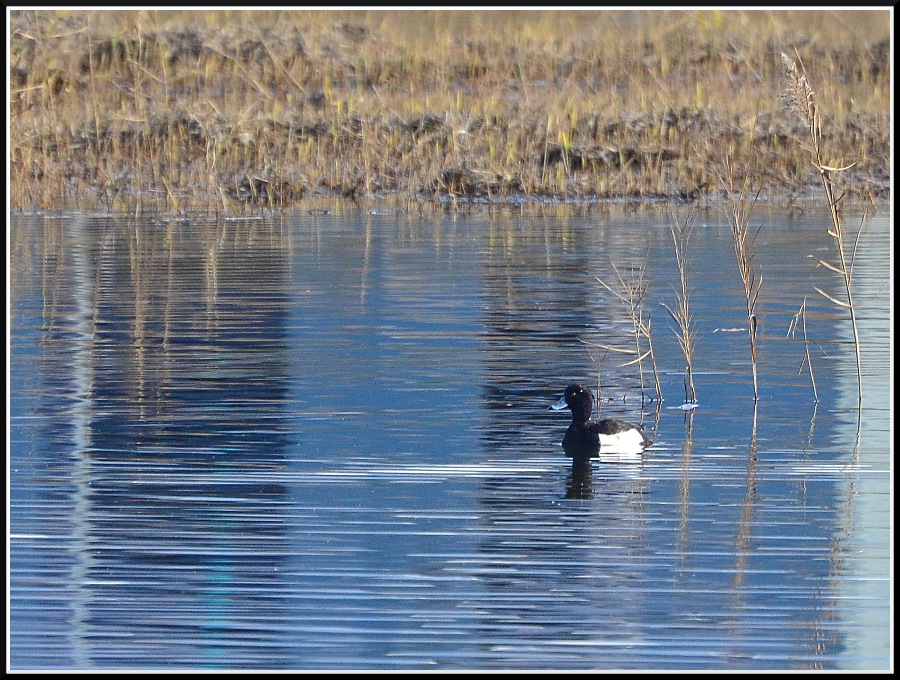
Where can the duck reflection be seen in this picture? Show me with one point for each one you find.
(581, 480)
(580, 483)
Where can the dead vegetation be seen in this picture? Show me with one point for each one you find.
(181, 109)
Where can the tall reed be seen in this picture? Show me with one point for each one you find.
(631, 294)
(800, 319)
(686, 331)
(801, 99)
(598, 365)
(741, 208)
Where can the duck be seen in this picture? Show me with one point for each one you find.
(585, 435)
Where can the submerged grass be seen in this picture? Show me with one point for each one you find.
(185, 109)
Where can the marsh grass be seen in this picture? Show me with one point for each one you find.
(739, 206)
(182, 110)
(801, 99)
(685, 329)
(598, 366)
(750, 276)
(631, 292)
(799, 319)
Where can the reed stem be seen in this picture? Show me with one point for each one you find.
(686, 331)
(801, 99)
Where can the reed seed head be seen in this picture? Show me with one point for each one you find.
(799, 96)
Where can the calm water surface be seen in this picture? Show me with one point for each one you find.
(322, 442)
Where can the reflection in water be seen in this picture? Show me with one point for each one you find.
(581, 483)
(174, 393)
(682, 540)
(323, 442)
(743, 549)
(581, 478)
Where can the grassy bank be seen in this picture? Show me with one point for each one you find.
(183, 110)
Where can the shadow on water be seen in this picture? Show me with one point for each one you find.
(321, 442)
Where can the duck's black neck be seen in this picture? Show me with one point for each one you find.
(581, 411)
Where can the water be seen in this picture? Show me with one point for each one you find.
(322, 442)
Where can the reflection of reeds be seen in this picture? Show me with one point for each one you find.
(743, 549)
(631, 294)
(800, 318)
(682, 532)
(681, 315)
(801, 99)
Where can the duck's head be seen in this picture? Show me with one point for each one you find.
(577, 398)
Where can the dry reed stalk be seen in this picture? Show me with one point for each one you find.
(739, 221)
(631, 294)
(598, 364)
(800, 318)
(743, 250)
(801, 99)
(681, 315)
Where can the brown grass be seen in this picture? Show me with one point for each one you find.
(799, 319)
(686, 329)
(630, 292)
(738, 206)
(183, 109)
(801, 99)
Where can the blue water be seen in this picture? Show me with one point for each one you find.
(322, 442)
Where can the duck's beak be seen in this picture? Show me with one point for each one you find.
(560, 405)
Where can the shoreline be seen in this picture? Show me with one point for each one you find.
(182, 111)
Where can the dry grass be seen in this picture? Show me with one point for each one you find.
(739, 207)
(631, 292)
(801, 99)
(183, 109)
(750, 276)
(799, 319)
(685, 330)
